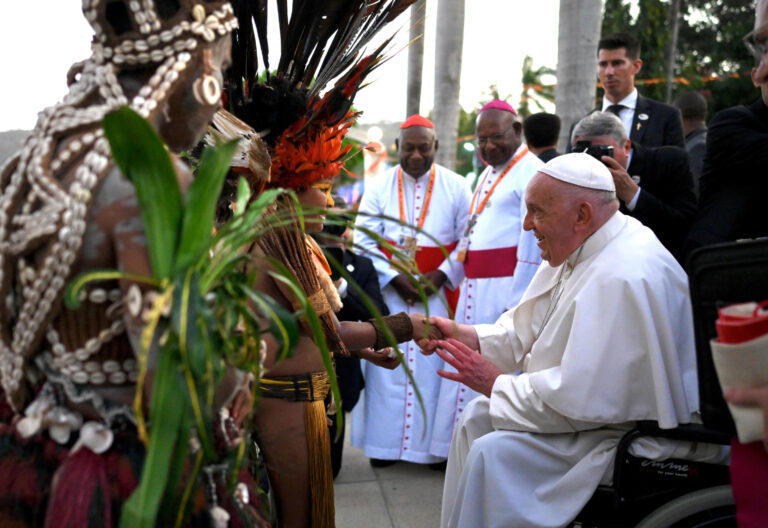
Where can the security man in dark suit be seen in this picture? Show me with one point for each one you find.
(655, 185)
(646, 121)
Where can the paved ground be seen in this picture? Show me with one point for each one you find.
(403, 495)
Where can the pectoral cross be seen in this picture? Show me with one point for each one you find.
(410, 248)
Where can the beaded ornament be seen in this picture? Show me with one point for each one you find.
(42, 220)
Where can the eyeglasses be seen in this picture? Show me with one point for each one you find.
(495, 138)
(756, 42)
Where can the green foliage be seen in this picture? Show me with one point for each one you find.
(129, 134)
(711, 43)
(616, 16)
(197, 230)
(465, 158)
(534, 89)
(205, 316)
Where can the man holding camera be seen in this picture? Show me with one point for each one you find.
(654, 185)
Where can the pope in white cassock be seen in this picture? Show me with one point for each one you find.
(432, 204)
(499, 258)
(603, 336)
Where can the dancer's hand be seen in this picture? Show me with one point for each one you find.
(422, 334)
(384, 358)
(444, 328)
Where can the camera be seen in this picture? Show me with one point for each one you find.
(596, 151)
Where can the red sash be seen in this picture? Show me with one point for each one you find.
(429, 259)
(488, 263)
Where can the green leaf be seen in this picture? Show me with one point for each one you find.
(202, 197)
(166, 415)
(282, 323)
(191, 347)
(243, 196)
(144, 160)
(78, 283)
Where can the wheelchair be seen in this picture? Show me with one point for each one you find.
(663, 493)
(682, 493)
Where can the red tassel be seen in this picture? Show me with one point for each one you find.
(75, 487)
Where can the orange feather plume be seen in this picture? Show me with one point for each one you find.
(303, 157)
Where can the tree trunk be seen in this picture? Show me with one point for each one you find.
(415, 58)
(674, 29)
(579, 34)
(448, 48)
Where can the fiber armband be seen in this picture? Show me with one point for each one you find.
(399, 324)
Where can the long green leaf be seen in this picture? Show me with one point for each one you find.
(144, 160)
(201, 200)
(78, 283)
(166, 415)
(284, 275)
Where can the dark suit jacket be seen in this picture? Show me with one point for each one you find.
(696, 147)
(348, 369)
(548, 154)
(733, 182)
(666, 203)
(654, 124)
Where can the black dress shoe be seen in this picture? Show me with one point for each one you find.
(380, 462)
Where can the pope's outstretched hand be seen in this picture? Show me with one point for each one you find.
(472, 369)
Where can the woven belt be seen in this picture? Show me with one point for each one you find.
(313, 386)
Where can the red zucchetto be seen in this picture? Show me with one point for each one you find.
(417, 120)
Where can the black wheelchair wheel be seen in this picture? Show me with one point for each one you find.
(707, 508)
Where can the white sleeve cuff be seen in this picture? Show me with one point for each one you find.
(633, 202)
(342, 287)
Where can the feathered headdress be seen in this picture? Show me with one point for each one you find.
(320, 42)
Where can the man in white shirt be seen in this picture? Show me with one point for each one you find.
(603, 336)
(431, 203)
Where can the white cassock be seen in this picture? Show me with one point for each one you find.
(618, 347)
(500, 263)
(388, 422)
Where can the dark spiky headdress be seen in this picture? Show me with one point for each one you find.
(302, 126)
(320, 42)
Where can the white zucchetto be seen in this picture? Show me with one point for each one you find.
(580, 169)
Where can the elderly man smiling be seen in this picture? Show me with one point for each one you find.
(603, 336)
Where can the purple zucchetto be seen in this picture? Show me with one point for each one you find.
(498, 104)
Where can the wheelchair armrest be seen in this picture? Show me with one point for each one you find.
(690, 432)
(684, 432)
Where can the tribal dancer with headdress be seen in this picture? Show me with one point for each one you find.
(304, 130)
(70, 454)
